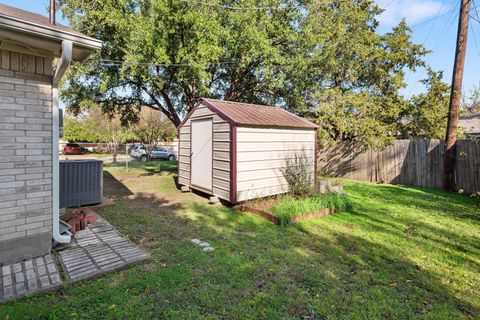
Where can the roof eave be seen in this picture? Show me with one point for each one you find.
(312, 125)
(222, 115)
(271, 126)
(211, 105)
(49, 32)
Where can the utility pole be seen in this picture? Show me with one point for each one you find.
(52, 12)
(455, 95)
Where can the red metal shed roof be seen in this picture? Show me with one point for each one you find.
(256, 115)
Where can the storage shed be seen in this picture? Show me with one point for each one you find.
(236, 151)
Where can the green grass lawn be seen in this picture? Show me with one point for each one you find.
(136, 177)
(401, 253)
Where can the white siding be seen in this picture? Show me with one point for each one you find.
(262, 153)
(221, 152)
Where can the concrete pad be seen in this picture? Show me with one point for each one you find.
(213, 200)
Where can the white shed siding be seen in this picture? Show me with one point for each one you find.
(221, 152)
(262, 153)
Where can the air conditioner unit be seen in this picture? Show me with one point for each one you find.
(81, 182)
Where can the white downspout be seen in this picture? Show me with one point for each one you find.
(60, 69)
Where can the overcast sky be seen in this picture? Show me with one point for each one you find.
(434, 24)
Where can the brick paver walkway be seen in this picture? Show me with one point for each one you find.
(28, 277)
(98, 249)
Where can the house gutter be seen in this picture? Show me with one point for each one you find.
(60, 69)
(49, 32)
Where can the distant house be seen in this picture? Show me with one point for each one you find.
(29, 128)
(471, 125)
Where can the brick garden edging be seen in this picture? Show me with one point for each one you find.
(270, 217)
(294, 219)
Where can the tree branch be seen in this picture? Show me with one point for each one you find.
(169, 112)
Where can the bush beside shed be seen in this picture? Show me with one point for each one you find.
(236, 151)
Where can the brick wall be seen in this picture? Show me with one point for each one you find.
(25, 155)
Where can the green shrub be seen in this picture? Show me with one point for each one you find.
(298, 174)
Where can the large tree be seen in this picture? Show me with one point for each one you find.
(352, 83)
(165, 54)
(426, 116)
(319, 58)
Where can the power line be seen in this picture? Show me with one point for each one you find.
(475, 41)
(476, 11)
(425, 40)
(433, 19)
(431, 27)
(108, 62)
(446, 29)
(227, 7)
(473, 32)
(286, 7)
(441, 37)
(388, 4)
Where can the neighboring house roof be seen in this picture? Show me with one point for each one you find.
(470, 123)
(16, 22)
(254, 114)
(34, 18)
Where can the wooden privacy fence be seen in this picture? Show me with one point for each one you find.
(415, 162)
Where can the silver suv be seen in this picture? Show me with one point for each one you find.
(140, 152)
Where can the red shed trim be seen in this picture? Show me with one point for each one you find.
(178, 157)
(316, 158)
(209, 106)
(233, 164)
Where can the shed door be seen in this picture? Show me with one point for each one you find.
(202, 153)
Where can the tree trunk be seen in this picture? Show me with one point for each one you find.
(149, 149)
(114, 156)
(113, 148)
